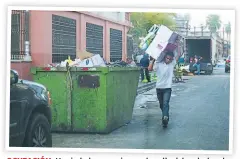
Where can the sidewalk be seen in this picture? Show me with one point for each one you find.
(143, 87)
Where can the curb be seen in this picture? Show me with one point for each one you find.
(146, 87)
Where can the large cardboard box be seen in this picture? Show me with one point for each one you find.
(97, 60)
(94, 61)
(165, 40)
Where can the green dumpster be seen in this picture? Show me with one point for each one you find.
(89, 100)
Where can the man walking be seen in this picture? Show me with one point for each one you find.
(144, 63)
(164, 70)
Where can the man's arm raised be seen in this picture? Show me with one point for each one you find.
(150, 67)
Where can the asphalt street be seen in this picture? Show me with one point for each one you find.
(199, 120)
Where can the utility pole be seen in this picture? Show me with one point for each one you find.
(223, 42)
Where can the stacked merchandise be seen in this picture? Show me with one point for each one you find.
(159, 40)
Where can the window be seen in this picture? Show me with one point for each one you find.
(94, 39)
(129, 46)
(115, 45)
(19, 33)
(63, 38)
(15, 36)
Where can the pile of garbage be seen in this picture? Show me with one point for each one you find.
(87, 59)
(118, 63)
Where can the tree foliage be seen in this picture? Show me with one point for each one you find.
(143, 21)
(213, 22)
(228, 28)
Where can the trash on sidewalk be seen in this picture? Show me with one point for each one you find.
(185, 68)
(178, 73)
(186, 71)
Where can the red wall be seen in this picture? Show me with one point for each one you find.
(41, 37)
(41, 34)
(23, 69)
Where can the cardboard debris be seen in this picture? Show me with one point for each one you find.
(186, 68)
(98, 61)
(93, 61)
(83, 54)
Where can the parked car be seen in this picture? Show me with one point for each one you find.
(227, 64)
(30, 114)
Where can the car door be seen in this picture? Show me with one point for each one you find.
(17, 106)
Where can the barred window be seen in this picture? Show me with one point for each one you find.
(63, 38)
(129, 46)
(19, 33)
(115, 45)
(94, 38)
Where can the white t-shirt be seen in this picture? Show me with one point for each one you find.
(164, 74)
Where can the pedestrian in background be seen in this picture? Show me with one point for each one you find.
(197, 63)
(144, 63)
(164, 71)
(138, 59)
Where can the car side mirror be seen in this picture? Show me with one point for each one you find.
(14, 77)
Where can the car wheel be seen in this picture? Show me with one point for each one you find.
(38, 132)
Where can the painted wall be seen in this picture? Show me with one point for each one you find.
(41, 35)
(23, 69)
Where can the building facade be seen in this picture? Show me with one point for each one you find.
(51, 36)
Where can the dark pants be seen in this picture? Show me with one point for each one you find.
(164, 96)
(146, 72)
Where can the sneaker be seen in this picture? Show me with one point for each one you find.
(165, 121)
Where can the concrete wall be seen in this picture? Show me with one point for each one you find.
(117, 16)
